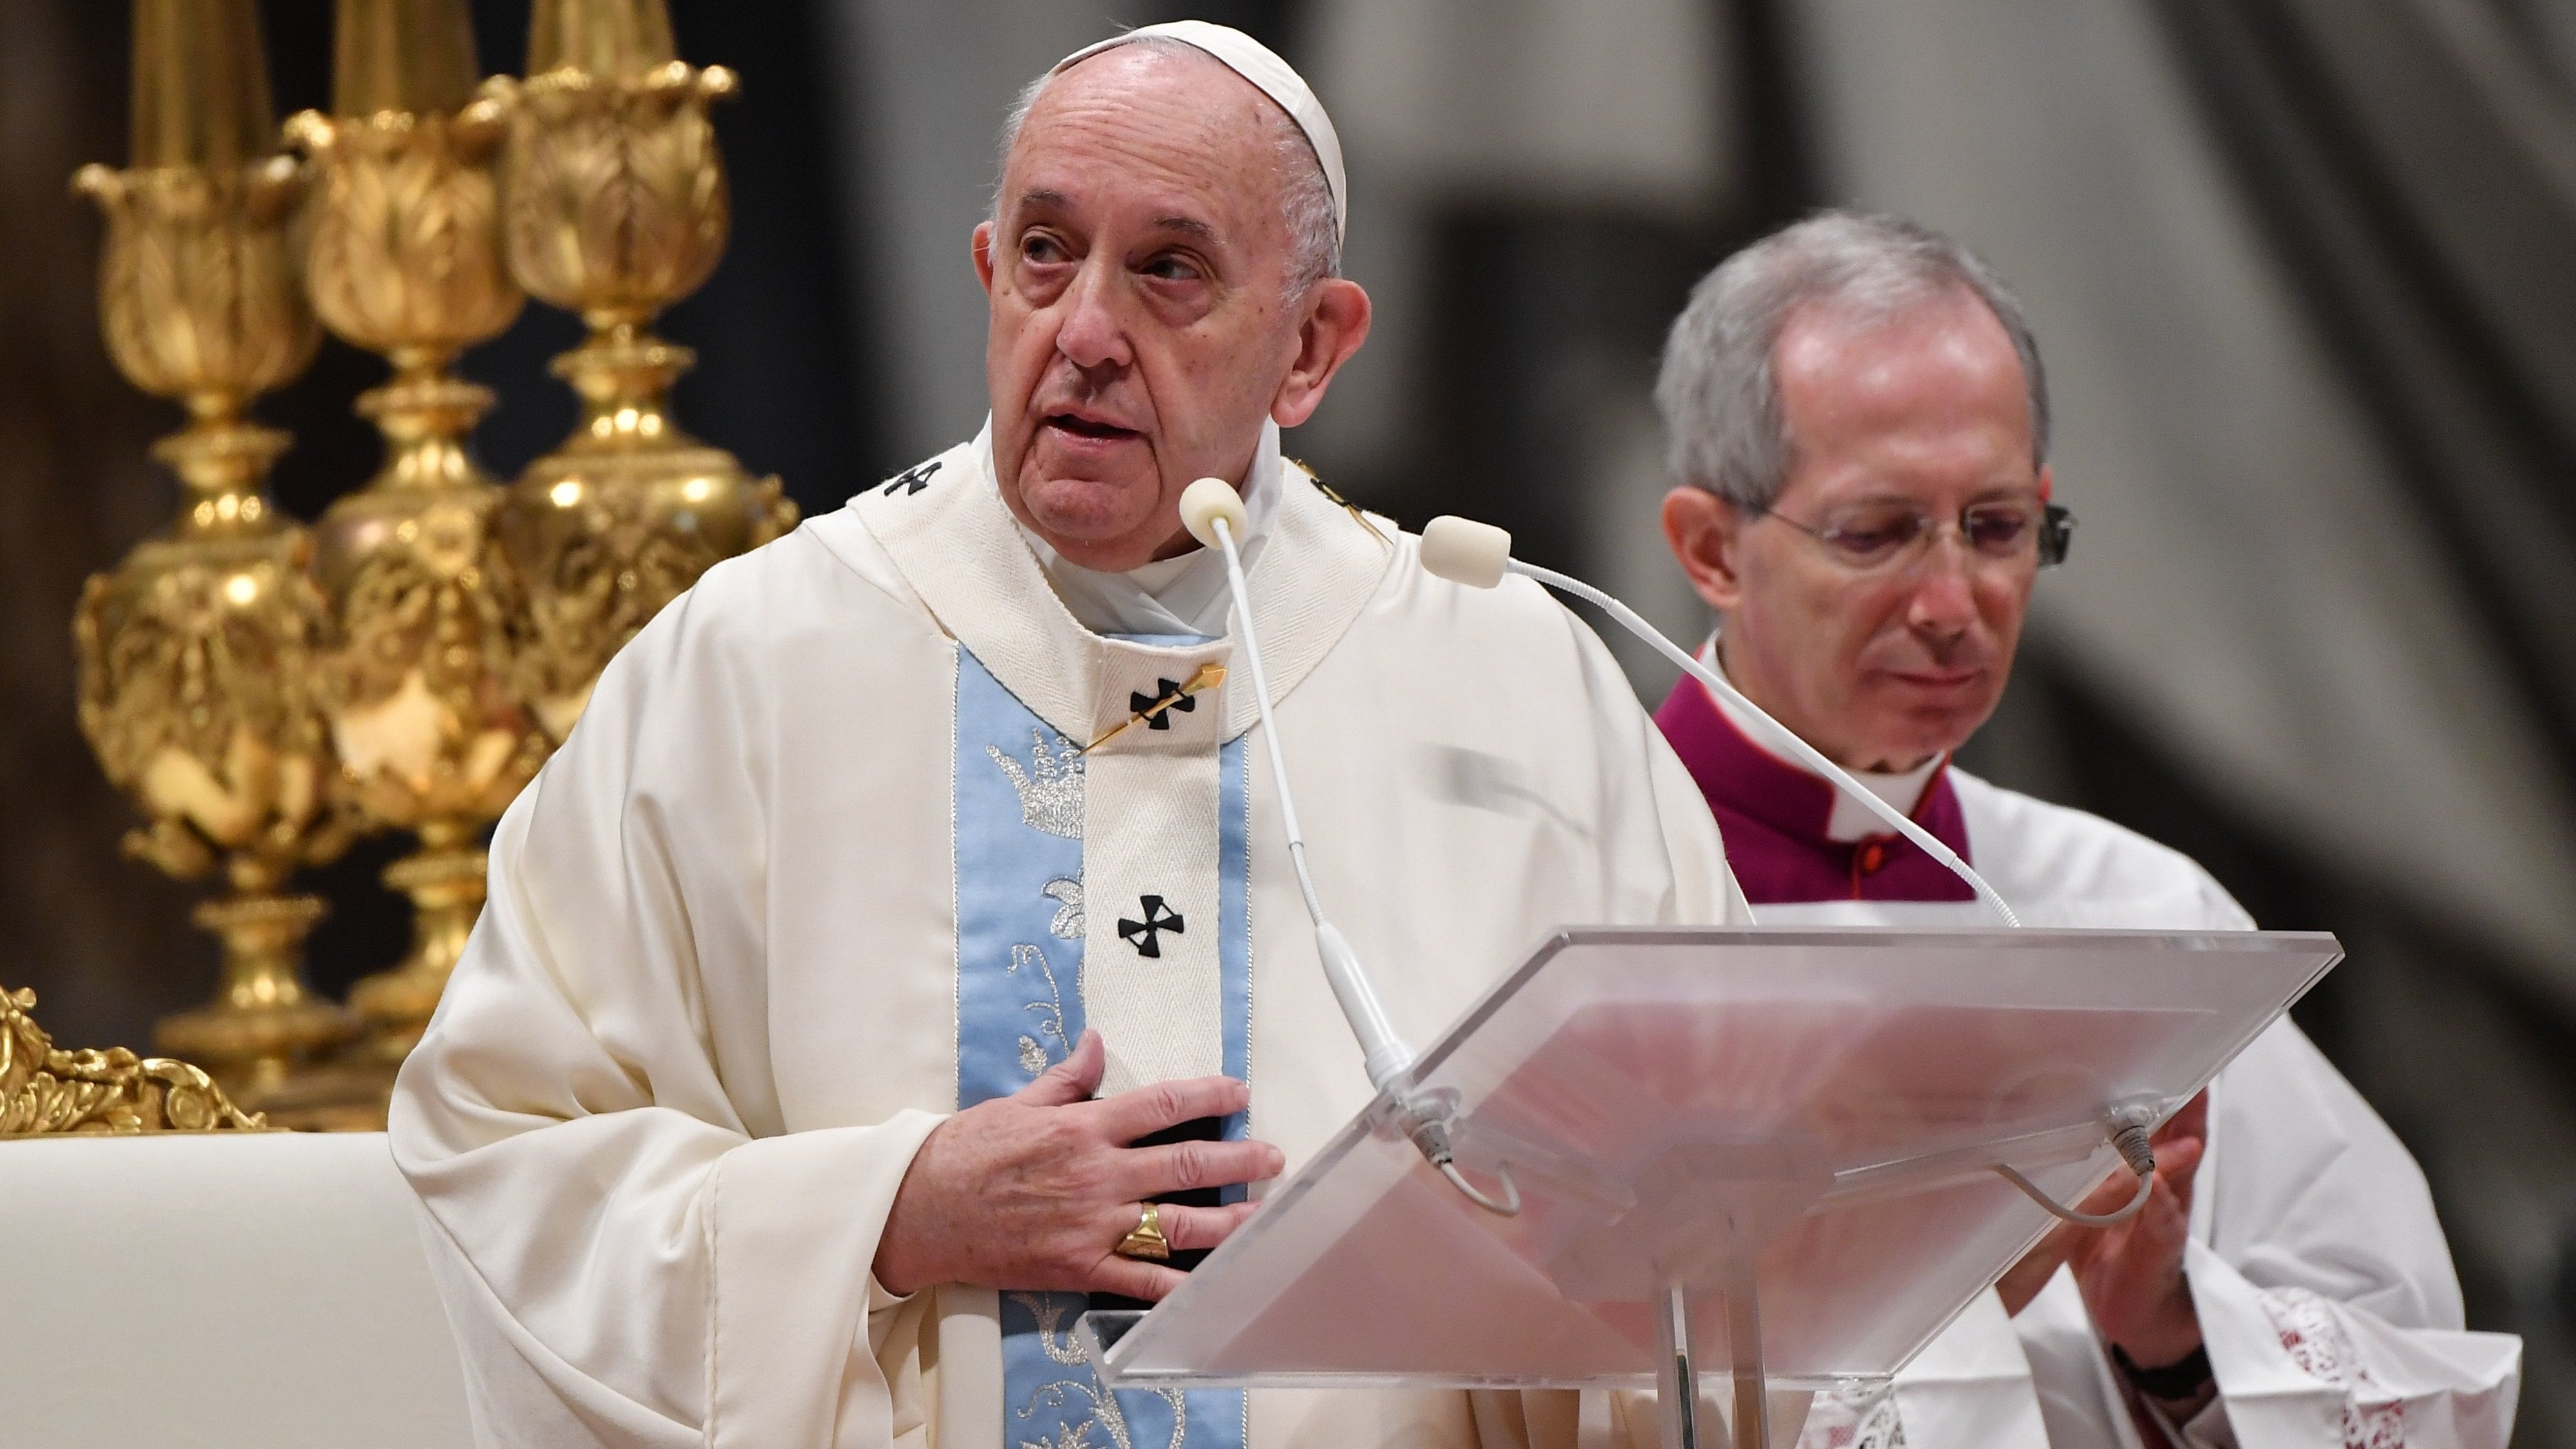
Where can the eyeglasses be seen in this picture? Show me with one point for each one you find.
(1872, 536)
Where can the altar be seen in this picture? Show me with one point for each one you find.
(223, 1290)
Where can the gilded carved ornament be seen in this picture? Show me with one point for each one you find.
(48, 1092)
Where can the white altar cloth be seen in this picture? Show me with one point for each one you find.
(219, 1292)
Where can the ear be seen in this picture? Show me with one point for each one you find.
(1337, 322)
(1704, 531)
(2047, 484)
(983, 247)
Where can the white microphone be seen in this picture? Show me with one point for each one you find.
(1476, 554)
(1213, 513)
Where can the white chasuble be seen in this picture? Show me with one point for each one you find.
(866, 828)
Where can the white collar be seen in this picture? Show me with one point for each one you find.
(1851, 820)
(1181, 595)
(943, 526)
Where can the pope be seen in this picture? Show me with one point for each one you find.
(855, 975)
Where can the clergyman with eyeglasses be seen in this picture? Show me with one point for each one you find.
(1856, 409)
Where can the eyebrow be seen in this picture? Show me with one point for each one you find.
(1187, 225)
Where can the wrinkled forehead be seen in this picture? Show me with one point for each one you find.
(1139, 118)
(1178, 110)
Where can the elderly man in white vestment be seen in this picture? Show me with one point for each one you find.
(1857, 409)
(905, 872)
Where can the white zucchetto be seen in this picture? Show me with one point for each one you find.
(1274, 77)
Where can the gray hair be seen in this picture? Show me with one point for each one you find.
(1717, 392)
(1315, 241)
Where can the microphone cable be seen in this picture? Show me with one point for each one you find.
(1479, 554)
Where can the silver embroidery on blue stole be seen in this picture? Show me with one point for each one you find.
(1019, 1010)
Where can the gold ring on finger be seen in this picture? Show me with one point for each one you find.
(1146, 1239)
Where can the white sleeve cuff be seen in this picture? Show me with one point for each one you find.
(793, 1226)
(2296, 1370)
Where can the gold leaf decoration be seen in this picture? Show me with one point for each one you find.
(45, 1091)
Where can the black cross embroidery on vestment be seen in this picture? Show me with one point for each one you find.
(1144, 935)
(912, 480)
(1155, 709)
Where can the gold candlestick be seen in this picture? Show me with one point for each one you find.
(196, 653)
(614, 208)
(403, 257)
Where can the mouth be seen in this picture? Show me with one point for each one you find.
(1938, 681)
(1073, 423)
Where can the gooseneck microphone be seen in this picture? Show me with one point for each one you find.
(1464, 551)
(1213, 513)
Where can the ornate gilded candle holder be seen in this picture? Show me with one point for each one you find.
(615, 208)
(197, 653)
(403, 258)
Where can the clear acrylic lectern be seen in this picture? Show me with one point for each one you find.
(1768, 1150)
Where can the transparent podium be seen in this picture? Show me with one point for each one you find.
(1770, 1151)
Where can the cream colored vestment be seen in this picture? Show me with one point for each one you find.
(711, 1009)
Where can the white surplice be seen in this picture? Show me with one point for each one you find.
(2326, 1296)
(712, 1007)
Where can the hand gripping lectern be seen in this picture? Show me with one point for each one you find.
(1778, 1151)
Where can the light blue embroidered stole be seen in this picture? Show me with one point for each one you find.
(1020, 933)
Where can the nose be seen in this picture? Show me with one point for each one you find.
(1093, 334)
(1944, 604)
